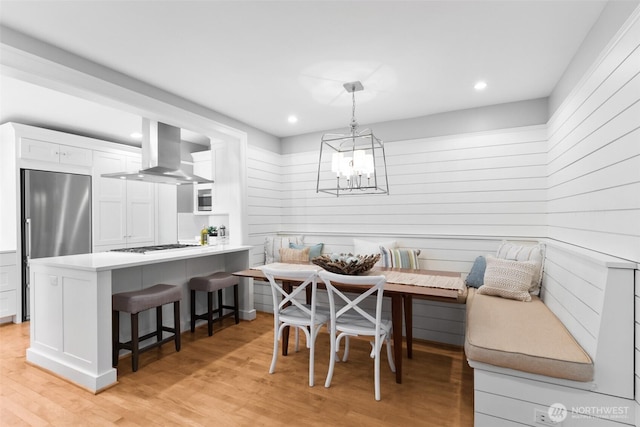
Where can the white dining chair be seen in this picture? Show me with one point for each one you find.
(291, 311)
(350, 319)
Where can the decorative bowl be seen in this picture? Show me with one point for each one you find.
(346, 263)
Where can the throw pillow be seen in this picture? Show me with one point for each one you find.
(314, 250)
(366, 247)
(475, 279)
(400, 258)
(535, 253)
(272, 245)
(508, 279)
(294, 255)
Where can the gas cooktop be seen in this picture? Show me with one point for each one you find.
(156, 248)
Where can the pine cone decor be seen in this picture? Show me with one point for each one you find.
(349, 264)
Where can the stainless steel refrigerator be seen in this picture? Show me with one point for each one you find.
(56, 219)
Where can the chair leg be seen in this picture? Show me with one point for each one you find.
(176, 324)
(276, 335)
(376, 369)
(312, 347)
(235, 304)
(332, 358)
(210, 313)
(220, 305)
(345, 355)
(134, 342)
(193, 310)
(392, 364)
(115, 337)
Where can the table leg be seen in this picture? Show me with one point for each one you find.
(396, 319)
(408, 323)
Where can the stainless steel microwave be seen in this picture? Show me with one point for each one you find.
(204, 200)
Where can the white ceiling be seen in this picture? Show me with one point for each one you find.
(260, 61)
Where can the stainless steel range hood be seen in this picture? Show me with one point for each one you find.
(160, 157)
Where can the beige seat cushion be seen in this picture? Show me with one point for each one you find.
(525, 336)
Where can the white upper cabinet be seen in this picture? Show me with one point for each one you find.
(124, 211)
(33, 149)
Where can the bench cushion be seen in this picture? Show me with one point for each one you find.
(525, 336)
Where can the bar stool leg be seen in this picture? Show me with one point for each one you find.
(176, 324)
(220, 305)
(134, 342)
(210, 313)
(159, 323)
(193, 311)
(115, 337)
(235, 303)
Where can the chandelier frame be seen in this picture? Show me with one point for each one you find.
(365, 172)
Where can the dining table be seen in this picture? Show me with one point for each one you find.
(401, 287)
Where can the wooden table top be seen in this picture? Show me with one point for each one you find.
(422, 292)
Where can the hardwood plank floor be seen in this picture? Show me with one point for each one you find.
(223, 380)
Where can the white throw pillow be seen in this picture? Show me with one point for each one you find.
(272, 245)
(366, 247)
(534, 253)
(508, 279)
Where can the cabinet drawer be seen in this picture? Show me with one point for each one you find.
(8, 303)
(8, 278)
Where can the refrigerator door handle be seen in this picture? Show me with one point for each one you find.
(27, 238)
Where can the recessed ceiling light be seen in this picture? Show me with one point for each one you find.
(480, 85)
(136, 135)
(292, 119)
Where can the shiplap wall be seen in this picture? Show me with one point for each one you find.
(594, 156)
(486, 184)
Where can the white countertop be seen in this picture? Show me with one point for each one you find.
(102, 261)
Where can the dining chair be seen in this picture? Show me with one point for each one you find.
(291, 311)
(350, 319)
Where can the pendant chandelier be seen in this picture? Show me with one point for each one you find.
(353, 163)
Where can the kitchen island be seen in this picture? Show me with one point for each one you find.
(70, 331)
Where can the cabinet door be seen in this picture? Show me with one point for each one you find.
(140, 209)
(33, 149)
(75, 156)
(109, 201)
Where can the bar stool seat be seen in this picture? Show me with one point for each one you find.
(135, 302)
(210, 284)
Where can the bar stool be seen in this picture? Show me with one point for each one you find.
(209, 284)
(135, 302)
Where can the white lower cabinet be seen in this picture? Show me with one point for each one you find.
(124, 211)
(8, 284)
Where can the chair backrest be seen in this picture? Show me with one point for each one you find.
(372, 284)
(302, 279)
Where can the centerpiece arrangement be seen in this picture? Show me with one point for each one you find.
(346, 263)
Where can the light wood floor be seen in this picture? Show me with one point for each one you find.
(223, 380)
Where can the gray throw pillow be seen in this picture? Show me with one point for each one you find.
(475, 279)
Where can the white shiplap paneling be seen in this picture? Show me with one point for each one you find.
(594, 156)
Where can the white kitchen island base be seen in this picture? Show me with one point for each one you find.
(71, 304)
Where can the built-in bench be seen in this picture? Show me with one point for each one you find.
(527, 337)
(572, 346)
